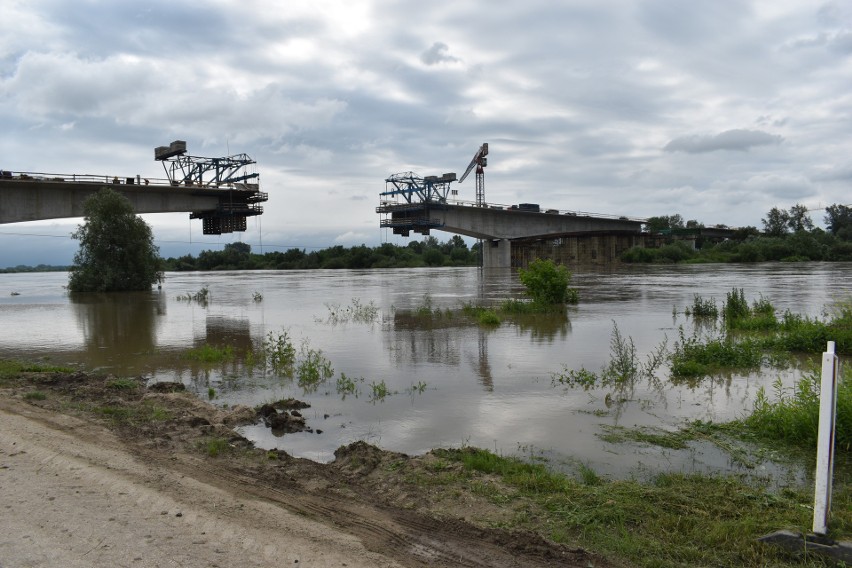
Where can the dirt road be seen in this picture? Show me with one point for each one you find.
(73, 496)
(75, 493)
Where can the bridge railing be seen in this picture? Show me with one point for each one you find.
(389, 205)
(117, 180)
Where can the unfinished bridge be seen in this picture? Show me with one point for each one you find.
(222, 192)
(511, 235)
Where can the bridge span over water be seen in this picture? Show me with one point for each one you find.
(222, 192)
(502, 228)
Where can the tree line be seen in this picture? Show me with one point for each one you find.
(788, 235)
(239, 256)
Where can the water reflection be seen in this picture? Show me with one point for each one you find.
(433, 338)
(118, 327)
(544, 328)
(486, 386)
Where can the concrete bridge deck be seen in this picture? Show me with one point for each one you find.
(32, 197)
(498, 226)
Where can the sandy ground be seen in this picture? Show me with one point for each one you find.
(81, 490)
(72, 496)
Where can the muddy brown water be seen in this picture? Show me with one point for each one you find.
(449, 381)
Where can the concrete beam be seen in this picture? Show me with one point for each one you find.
(488, 223)
(32, 200)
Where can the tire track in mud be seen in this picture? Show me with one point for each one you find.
(125, 499)
(233, 511)
(413, 539)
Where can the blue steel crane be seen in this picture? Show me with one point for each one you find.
(408, 198)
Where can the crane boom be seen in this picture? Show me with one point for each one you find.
(479, 161)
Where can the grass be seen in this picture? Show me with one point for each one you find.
(696, 358)
(122, 384)
(675, 520)
(10, 369)
(357, 312)
(380, 391)
(214, 447)
(278, 352)
(202, 296)
(790, 416)
(348, 386)
(35, 395)
(312, 368)
(484, 316)
(624, 366)
(794, 332)
(211, 354)
(703, 308)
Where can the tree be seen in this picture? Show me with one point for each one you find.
(547, 283)
(117, 251)
(776, 222)
(838, 220)
(798, 218)
(664, 222)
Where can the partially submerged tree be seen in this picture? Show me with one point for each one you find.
(117, 251)
(547, 283)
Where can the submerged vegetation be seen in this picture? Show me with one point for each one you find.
(667, 520)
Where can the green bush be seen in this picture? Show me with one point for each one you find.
(547, 283)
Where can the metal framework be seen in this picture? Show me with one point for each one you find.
(228, 177)
(408, 199)
(479, 161)
(182, 169)
(414, 189)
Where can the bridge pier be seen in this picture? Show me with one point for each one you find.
(496, 253)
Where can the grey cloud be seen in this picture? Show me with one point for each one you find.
(437, 54)
(736, 139)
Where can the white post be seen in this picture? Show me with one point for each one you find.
(825, 440)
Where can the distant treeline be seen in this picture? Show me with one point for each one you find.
(787, 236)
(238, 256)
(39, 268)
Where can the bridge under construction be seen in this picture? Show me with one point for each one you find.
(511, 235)
(222, 192)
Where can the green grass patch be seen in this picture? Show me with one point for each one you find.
(122, 384)
(791, 416)
(35, 395)
(696, 358)
(10, 369)
(672, 521)
(215, 447)
(211, 353)
(703, 308)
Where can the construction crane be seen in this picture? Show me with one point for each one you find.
(479, 161)
(182, 169)
(228, 178)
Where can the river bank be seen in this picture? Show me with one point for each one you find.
(165, 476)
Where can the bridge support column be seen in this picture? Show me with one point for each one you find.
(496, 253)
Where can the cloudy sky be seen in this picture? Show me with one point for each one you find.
(717, 110)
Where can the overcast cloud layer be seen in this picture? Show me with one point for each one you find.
(716, 110)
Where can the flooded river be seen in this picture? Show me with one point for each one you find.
(446, 380)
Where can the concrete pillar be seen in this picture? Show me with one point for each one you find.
(497, 253)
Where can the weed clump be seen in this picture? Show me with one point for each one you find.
(792, 416)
